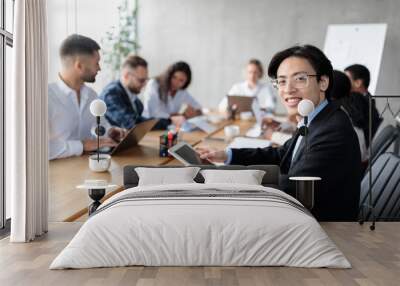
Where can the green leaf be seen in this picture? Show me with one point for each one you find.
(121, 41)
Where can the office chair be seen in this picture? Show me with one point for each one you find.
(385, 189)
(383, 140)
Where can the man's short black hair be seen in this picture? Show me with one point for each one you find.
(358, 71)
(78, 45)
(317, 59)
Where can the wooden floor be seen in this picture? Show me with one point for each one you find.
(375, 256)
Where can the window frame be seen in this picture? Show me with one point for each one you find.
(6, 39)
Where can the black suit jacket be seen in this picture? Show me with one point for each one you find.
(333, 154)
(120, 111)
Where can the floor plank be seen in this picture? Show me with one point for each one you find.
(375, 257)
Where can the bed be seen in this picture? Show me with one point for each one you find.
(201, 224)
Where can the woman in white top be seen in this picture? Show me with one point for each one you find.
(166, 97)
(253, 86)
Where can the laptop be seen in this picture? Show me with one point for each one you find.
(243, 103)
(132, 138)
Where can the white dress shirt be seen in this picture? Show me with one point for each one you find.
(132, 96)
(264, 91)
(154, 107)
(69, 121)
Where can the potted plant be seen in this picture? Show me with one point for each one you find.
(123, 40)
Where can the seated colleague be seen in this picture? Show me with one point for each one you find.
(360, 77)
(70, 120)
(341, 92)
(166, 95)
(304, 72)
(253, 86)
(124, 108)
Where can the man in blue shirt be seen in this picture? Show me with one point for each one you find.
(124, 108)
(332, 151)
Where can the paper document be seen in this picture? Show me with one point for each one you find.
(201, 122)
(243, 142)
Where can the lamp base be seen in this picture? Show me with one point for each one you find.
(305, 190)
(96, 195)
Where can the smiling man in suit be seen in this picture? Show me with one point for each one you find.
(124, 108)
(304, 72)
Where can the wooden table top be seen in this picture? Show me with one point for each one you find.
(67, 203)
(65, 174)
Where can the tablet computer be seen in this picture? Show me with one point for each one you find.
(185, 153)
(243, 103)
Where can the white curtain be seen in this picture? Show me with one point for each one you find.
(27, 155)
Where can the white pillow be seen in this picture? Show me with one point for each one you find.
(248, 177)
(163, 176)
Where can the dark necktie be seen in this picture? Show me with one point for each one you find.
(134, 106)
(135, 109)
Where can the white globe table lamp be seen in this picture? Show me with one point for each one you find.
(98, 108)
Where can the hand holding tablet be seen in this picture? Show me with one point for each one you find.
(213, 155)
(185, 153)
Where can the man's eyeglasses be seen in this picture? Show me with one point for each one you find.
(300, 80)
(139, 80)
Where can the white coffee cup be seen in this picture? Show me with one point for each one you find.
(231, 131)
(100, 165)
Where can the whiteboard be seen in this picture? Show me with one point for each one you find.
(349, 44)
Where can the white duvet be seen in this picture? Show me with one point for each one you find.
(200, 231)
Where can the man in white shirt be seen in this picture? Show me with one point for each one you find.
(70, 121)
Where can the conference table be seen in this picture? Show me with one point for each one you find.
(67, 203)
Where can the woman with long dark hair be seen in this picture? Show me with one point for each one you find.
(166, 96)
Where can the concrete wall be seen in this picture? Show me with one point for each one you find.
(218, 37)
